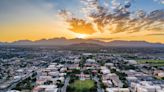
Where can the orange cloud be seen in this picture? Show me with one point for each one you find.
(81, 26)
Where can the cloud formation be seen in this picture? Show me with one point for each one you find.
(158, 34)
(113, 16)
(77, 25)
(160, 1)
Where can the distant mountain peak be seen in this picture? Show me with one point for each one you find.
(87, 42)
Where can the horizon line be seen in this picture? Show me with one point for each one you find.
(97, 39)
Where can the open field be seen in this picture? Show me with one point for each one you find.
(81, 86)
(152, 62)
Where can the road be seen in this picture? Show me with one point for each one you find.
(66, 83)
(13, 85)
(99, 89)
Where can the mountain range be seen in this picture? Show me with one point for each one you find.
(85, 42)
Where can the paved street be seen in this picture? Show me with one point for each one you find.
(99, 89)
(66, 83)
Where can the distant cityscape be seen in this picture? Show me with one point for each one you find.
(65, 69)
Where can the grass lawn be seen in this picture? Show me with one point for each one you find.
(82, 86)
(152, 62)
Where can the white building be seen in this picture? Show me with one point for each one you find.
(90, 60)
(105, 70)
(117, 90)
(45, 88)
(132, 62)
(146, 86)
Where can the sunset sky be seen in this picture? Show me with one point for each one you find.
(141, 20)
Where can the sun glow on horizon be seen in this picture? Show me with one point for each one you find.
(81, 36)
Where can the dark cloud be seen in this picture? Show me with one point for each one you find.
(157, 15)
